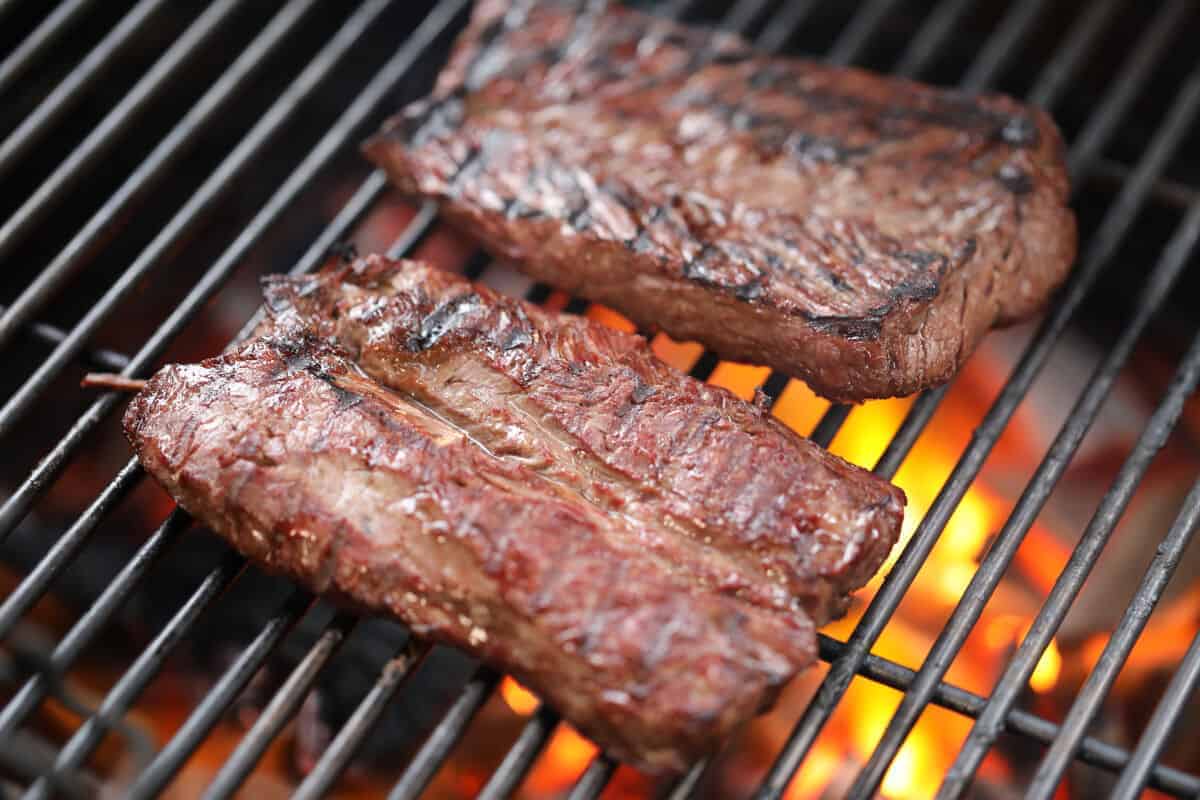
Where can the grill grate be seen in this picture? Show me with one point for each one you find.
(407, 71)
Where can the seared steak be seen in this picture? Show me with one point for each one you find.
(762, 513)
(312, 469)
(859, 232)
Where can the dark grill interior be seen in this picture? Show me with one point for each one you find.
(157, 157)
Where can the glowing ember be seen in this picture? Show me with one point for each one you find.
(567, 756)
(816, 773)
(1045, 675)
(519, 699)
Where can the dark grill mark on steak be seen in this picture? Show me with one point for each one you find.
(443, 319)
(611, 116)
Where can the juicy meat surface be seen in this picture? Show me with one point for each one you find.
(762, 514)
(314, 470)
(856, 231)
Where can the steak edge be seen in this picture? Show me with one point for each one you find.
(856, 231)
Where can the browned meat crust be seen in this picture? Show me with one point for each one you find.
(857, 231)
(761, 512)
(312, 469)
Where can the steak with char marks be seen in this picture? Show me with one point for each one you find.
(766, 514)
(315, 471)
(647, 553)
(860, 232)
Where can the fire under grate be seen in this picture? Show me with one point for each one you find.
(56, 62)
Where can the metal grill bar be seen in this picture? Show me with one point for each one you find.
(151, 171)
(858, 34)
(521, 756)
(89, 152)
(1134, 73)
(22, 499)
(1137, 613)
(1092, 751)
(447, 733)
(1066, 59)
(538, 729)
(6, 6)
(93, 620)
(928, 41)
(594, 779)
(987, 577)
(282, 707)
(61, 20)
(64, 96)
(776, 35)
(118, 701)
(1167, 715)
(159, 772)
(1100, 126)
(1016, 675)
(1165, 190)
(348, 739)
(200, 202)
(100, 358)
(1002, 45)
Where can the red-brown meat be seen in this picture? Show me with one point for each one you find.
(860, 232)
(764, 514)
(313, 470)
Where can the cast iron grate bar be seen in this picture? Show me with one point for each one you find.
(1141, 767)
(348, 739)
(521, 756)
(89, 153)
(1165, 719)
(54, 27)
(174, 146)
(928, 42)
(447, 734)
(68, 93)
(199, 203)
(223, 693)
(120, 698)
(1138, 611)
(1004, 694)
(99, 358)
(1024, 723)
(1100, 126)
(93, 620)
(282, 707)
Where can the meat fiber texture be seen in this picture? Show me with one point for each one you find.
(647, 553)
(856, 231)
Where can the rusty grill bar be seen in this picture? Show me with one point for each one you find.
(403, 76)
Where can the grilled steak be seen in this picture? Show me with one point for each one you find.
(859, 232)
(312, 469)
(763, 513)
